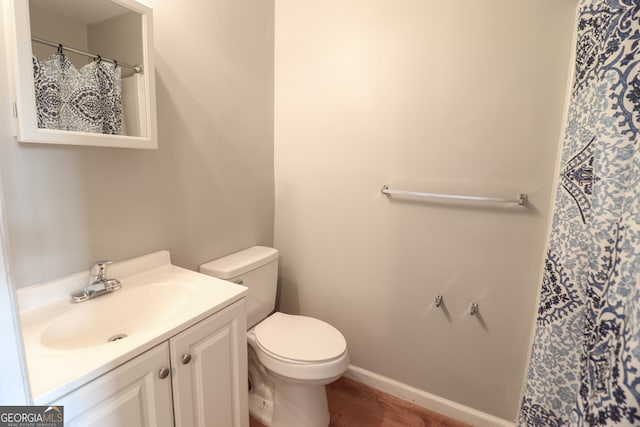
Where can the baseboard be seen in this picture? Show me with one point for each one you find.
(426, 400)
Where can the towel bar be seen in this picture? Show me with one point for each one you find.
(522, 199)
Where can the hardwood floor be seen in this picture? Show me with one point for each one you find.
(353, 404)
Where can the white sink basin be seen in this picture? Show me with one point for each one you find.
(118, 315)
(69, 344)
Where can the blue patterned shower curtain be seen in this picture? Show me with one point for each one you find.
(585, 359)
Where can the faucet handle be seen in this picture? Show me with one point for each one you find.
(99, 271)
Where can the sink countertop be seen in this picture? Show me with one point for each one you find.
(55, 371)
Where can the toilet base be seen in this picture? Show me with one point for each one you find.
(296, 406)
(293, 406)
(299, 405)
(260, 409)
(260, 390)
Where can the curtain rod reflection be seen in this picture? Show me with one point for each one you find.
(135, 68)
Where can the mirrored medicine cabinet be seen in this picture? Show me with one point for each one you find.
(82, 71)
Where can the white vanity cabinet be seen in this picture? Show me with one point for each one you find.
(133, 394)
(197, 378)
(209, 372)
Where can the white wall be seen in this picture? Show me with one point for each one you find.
(461, 97)
(206, 192)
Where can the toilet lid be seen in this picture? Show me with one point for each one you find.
(300, 338)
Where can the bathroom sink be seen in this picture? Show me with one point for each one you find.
(116, 316)
(68, 345)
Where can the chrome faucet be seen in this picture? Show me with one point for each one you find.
(98, 283)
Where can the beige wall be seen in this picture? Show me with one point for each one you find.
(206, 192)
(438, 96)
(58, 28)
(116, 38)
(426, 95)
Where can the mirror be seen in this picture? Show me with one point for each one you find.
(83, 72)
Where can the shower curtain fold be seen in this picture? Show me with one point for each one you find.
(88, 99)
(584, 368)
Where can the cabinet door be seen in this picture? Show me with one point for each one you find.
(131, 395)
(210, 371)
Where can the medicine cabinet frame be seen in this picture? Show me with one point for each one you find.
(19, 49)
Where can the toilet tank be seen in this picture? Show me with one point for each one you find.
(255, 268)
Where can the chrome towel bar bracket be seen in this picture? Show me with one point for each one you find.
(522, 199)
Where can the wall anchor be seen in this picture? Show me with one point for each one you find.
(474, 308)
(438, 300)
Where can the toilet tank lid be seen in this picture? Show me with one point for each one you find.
(239, 262)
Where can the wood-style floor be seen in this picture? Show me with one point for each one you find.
(353, 404)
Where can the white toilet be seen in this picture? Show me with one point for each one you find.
(291, 358)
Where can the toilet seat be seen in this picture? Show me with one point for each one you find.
(300, 338)
(300, 347)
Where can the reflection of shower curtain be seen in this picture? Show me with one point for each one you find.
(585, 360)
(86, 100)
